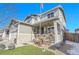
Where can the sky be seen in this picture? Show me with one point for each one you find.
(21, 10)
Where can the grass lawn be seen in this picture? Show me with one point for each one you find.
(26, 50)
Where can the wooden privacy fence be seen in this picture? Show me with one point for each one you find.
(71, 36)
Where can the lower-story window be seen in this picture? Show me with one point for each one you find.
(42, 30)
(36, 30)
(51, 30)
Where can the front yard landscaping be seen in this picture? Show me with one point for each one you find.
(26, 50)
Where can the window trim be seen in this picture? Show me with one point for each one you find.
(49, 27)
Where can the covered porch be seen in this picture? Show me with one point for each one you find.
(46, 31)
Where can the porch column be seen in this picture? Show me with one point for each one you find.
(17, 37)
(56, 32)
(9, 36)
(45, 30)
(40, 28)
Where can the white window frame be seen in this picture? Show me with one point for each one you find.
(49, 27)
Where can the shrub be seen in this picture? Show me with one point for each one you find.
(2, 46)
(11, 46)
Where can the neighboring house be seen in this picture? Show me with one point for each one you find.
(5, 35)
(77, 30)
(1, 33)
(49, 23)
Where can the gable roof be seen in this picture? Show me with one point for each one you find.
(54, 9)
(20, 22)
(30, 16)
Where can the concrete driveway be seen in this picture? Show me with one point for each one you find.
(75, 48)
(69, 48)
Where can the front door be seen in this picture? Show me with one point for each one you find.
(42, 30)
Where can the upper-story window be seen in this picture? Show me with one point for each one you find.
(43, 16)
(50, 15)
(47, 15)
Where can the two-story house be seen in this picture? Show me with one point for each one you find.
(50, 23)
